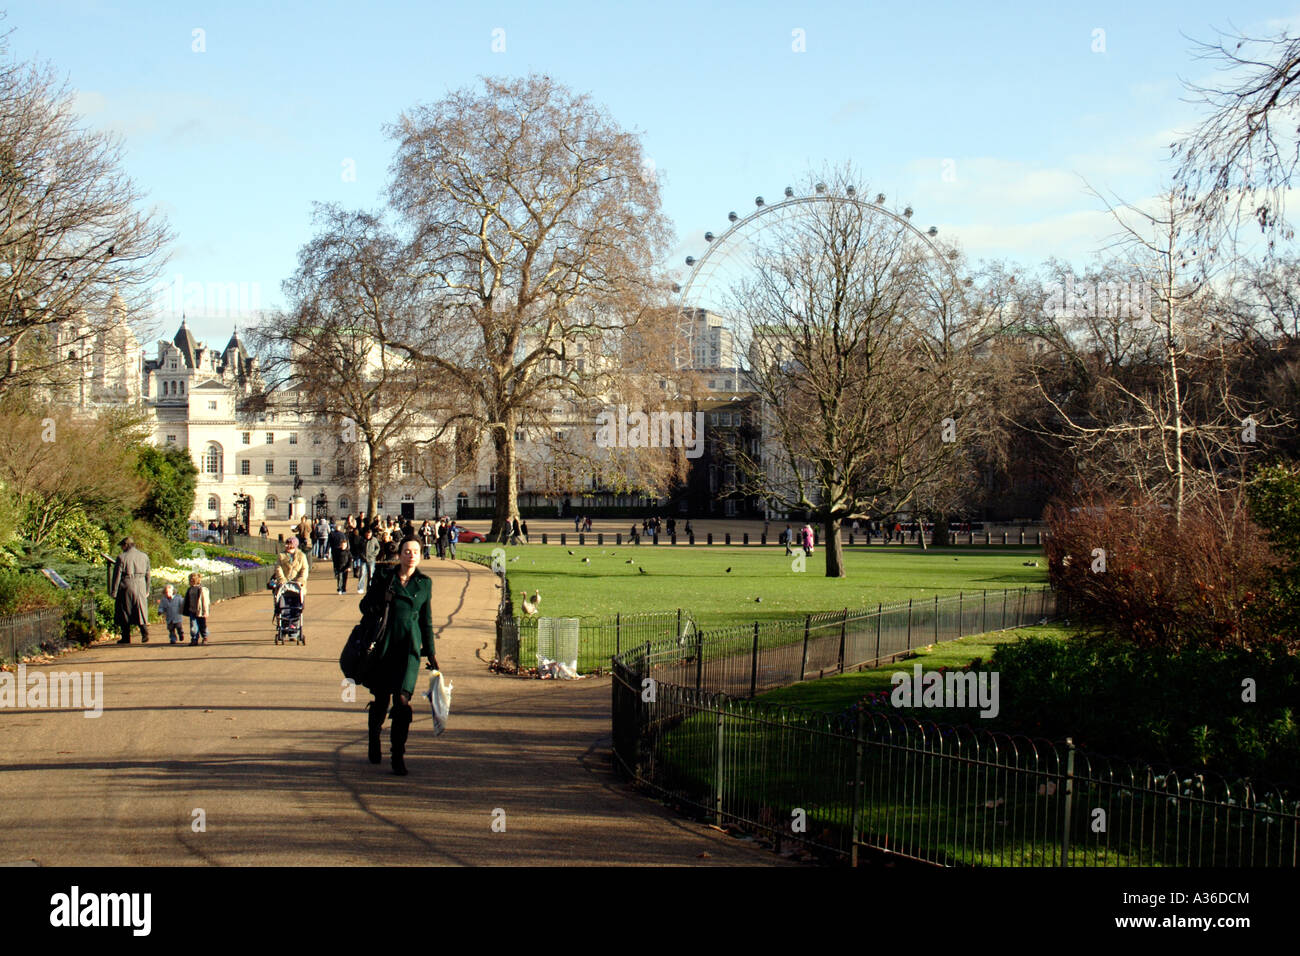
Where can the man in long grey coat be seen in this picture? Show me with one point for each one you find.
(130, 591)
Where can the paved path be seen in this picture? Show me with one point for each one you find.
(258, 737)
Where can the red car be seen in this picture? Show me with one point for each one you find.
(470, 537)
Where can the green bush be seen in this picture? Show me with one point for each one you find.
(1184, 709)
(172, 480)
(22, 591)
(149, 540)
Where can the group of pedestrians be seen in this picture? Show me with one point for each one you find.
(805, 538)
(439, 537)
(129, 589)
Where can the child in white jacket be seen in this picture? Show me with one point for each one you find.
(197, 605)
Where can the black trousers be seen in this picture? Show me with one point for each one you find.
(402, 716)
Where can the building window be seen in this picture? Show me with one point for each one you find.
(270, 504)
(270, 438)
(245, 438)
(293, 466)
(212, 406)
(270, 466)
(212, 503)
(343, 505)
(171, 439)
(293, 438)
(315, 467)
(315, 439)
(338, 468)
(403, 467)
(244, 468)
(212, 459)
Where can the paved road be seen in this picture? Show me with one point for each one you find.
(259, 739)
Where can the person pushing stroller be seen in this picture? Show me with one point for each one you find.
(290, 568)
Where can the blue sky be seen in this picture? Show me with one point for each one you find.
(235, 143)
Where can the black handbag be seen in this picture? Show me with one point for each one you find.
(357, 659)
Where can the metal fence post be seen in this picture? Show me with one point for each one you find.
(803, 666)
(984, 615)
(699, 659)
(936, 619)
(844, 624)
(753, 665)
(909, 624)
(618, 632)
(717, 776)
(1069, 801)
(961, 614)
(879, 615)
(856, 816)
(1004, 610)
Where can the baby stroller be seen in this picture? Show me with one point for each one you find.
(288, 614)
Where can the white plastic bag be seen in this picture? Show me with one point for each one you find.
(439, 695)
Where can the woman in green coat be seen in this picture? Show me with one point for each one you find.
(409, 635)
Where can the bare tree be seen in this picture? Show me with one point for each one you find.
(536, 229)
(327, 351)
(1147, 400)
(853, 334)
(1240, 160)
(72, 233)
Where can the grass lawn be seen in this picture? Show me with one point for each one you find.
(834, 694)
(696, 578)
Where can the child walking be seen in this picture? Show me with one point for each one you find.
(171, 608)
(197, 604)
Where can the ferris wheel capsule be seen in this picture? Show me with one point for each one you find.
(708, 237)
(732, 216)
(789, 192)
(758, 200)
(690, 260)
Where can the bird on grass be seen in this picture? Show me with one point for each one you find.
(643, 570)
(629, 561)
(514, 559)
(570, 552)
(586, 560)
(530, 607)
(758, 600)
(728, 570)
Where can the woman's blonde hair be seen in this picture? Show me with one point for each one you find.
(195, 578)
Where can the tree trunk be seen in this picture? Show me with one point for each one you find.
(834, 549)
(941, 539)
(506, 502)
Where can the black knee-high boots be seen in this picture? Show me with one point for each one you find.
(376, 723)
(402, 715)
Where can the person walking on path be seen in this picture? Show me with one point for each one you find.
(370, 554)
(453, 535)
(807, 534)
(443, 538)
(408, 593)
(130, 591)
(786, 539)
(341, 556)
(264, 531)
(171, 609)
(322, 538)
(198, 602)
(523, 526)
(357, 552)
(290, 568)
